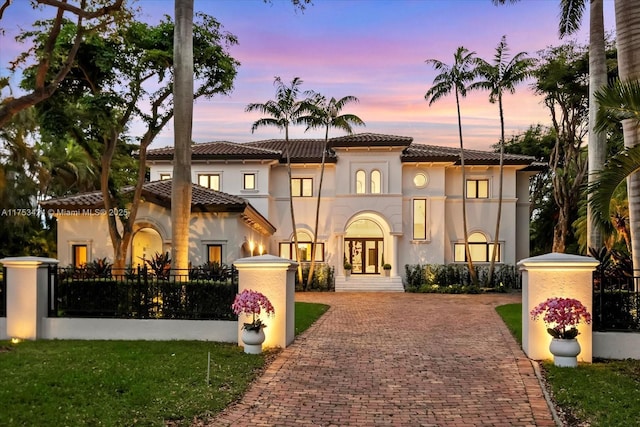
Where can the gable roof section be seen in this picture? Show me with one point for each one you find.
(159, 192)
(370, 140)
(432, 153)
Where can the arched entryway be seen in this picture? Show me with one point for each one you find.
(365, 244)
(145, 244)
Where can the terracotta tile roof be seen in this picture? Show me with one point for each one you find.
(432, 153)
(221, 150)
(310, 150)
(300, 150)
(202, 199)
(370, 140)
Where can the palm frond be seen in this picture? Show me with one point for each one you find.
(571, 12)
(617, 102)
(615, 171)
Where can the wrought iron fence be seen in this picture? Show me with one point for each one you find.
(616, 303)
(3, 293)
(144, 294)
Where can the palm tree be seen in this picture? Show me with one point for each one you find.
(182, 120)
(571, 13)
(283, 111)
(325, 114)
(628, 43)
(503, 75)
(455, 78)
(619, 102)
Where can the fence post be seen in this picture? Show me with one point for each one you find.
(273, 277)
(555, 275)
(27, 281)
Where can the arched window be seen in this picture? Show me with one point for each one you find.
(480, 249)
(360, 182)
(376, 182)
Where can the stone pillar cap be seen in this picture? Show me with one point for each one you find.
(264, 259)
(28, 260)
(556, 259)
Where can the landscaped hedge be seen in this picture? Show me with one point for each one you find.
(323, 278)
(455, 278)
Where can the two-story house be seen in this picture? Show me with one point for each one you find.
(384, 199)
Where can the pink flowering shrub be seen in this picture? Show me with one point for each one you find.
(251, 303)
(561, 315)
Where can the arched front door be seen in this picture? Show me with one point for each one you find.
(145, 244)
(364, 247)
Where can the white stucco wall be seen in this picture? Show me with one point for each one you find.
(226, 229)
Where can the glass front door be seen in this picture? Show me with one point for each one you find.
(364, 255)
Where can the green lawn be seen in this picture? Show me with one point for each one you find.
(125, 382)
(605, 393)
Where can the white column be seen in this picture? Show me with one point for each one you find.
(555, 275)
(27, 280)
(274, 277)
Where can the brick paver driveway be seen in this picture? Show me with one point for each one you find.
(379, 359)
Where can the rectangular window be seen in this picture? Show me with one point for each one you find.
(477, 189)
(211, 181)
(214, 253)
(419, 219)
(165, 176)
(79, 254)
(304, 249)
(302, 187)
(249, 181)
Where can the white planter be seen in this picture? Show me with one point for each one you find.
(565, 352)
(253, 341)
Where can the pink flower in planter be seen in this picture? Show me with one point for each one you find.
(561, 315)
(252, 303)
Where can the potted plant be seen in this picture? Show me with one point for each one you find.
(387, 269)
(562, 316)
(347, 268)
(251, 303)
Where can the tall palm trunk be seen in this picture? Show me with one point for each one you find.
(467, 251)
(291, 210)
(183, 117)
(627, 28)
(597, 140)
(315, 229)
(496, 237)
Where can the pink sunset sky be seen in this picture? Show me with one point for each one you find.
(372, 49)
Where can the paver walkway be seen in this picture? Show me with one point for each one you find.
(378, 359)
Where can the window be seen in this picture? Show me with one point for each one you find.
(249, 181)
(79, 255)
(214, 254)
(477, 188)
(211, 181)
(480, 249)
(165, 176)
(302, 187)
(305, 242)
(419, 219)
(420, 180)
(376, 182)
(360, 182)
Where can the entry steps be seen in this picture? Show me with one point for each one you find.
(369, 283)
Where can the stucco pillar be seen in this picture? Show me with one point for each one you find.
(274, 277)
(27, 280)
(555, 275)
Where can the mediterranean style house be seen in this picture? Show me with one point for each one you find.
(385, 200)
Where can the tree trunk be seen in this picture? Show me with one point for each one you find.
(627, 28)
(182, 121)
(315, 229)
(496, 237)
(467, 251)
(597, 140)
